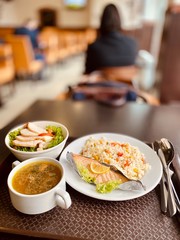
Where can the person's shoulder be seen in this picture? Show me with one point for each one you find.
(129, 38)
(93, 44)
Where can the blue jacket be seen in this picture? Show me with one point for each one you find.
(31, 33)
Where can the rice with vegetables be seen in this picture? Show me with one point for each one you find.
(125, 157)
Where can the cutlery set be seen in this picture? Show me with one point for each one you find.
(170, 202)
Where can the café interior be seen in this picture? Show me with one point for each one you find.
(29, 87)
(66, 32)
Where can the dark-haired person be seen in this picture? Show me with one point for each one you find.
(112, 48)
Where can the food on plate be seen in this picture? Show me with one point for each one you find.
(98, 168)
(91, 171)
(36, 177)
(32, 138)
(126, 158)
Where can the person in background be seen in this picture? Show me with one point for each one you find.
(30, 29)
(111, 48)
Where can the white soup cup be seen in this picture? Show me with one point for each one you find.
(43, 202)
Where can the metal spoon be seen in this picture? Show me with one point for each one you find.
(166, 161)
(167, 148)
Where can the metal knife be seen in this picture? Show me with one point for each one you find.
(163, 189)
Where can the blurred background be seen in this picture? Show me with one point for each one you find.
(65, 29)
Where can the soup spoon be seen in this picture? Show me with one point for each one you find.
(166, 162)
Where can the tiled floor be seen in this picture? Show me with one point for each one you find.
(28, 91)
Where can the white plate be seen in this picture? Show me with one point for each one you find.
(150, 180)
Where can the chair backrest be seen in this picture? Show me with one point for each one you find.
(125, 74)
(5, 55)
(22, 52)
(49, 37)
(7, 70)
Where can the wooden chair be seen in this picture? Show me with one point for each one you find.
(90, 35)
(7, 70)
(23, 55)
(57, 41)
(49, 38)
(69, 42)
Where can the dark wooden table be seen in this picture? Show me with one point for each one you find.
(135, 219)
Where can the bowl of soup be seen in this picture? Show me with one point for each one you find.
(37, 185)
(37, 139)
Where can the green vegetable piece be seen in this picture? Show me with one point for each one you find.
(102, 187)
(58, 136)
(85, 174)
(12, 136)
(107, 187)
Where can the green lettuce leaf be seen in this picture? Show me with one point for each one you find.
(107, 187)
(88, 177)
(13, 135)
(85, 174)
(58, 136)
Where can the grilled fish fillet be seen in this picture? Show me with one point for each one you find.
(81, 161)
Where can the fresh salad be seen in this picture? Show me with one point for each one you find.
(31, 138)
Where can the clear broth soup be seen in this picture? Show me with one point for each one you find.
(37, 177)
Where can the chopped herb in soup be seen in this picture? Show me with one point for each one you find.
(35, 178)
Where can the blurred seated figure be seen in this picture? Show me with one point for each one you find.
(111, 48)
(30, 29)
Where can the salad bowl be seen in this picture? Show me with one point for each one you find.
(59, 131)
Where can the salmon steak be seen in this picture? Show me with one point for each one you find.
(94, 172)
